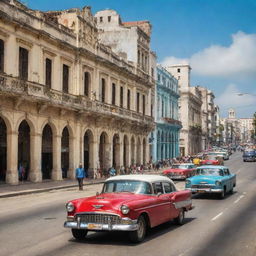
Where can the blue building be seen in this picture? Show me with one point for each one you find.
(165, 138)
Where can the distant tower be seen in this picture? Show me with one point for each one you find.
(231, 114)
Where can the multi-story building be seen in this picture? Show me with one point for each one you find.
(165, 138)
(190, 103)
(247, 129)
(66, 98)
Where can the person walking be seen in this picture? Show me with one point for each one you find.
(80, 175)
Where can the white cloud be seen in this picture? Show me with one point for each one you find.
(230, 98)
(236, 61)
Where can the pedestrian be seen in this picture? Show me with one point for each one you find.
(80, 175)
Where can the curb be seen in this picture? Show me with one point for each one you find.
(36, 191)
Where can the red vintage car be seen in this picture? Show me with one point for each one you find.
(180, 171)
(211, 160)
(129, 203)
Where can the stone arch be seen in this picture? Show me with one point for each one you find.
(24, 153)
(3, 148)
(126, 151)
(104, 152)
(47, 150)
(138, 146)
(88, 140)
(116, 151)
(30, 123)
(52, 125)
(132, 150)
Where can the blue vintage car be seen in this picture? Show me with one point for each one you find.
(212, 179)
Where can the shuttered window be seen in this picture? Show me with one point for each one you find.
(23, 63)
(103, 85)
(143, 104)
(86, 83)
(113, 94)
(1, 55)
(138, 102)
(128, 99)
(48, 72)
(121, 96)
(65, 81)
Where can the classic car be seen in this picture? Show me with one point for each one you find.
(212, 179)
(212, 160)
(249, 156)
(223, 154)
(128, 203)
(180, 171)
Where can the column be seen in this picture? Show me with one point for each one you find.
(72, 165)
(56, 171)
(12, 158)
(35, 173)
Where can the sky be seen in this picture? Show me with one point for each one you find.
(216, 37)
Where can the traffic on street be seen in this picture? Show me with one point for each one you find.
(34, 224)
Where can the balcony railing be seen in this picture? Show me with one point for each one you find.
(30, 90)
(172, 121)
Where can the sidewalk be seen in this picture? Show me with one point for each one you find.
(28, 187)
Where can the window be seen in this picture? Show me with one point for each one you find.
(178, 70)
(128, 99)
(109, 18)
(138, 102)
(139, 58)
(48, 72)
(101, 19)
(23, 63)
(86, 83)
(167, 187)
(143, 104)
(103, 85)
(121, 96)
(65, 78)
(113, 94)
(152, 72)
(158, 187)
(1, 55)
(152, 109)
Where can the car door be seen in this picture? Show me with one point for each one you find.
(228, 178)
(160, 211)
(170, 191)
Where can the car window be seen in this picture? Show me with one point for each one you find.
(167, 187)
(226, 172)
(158, 187)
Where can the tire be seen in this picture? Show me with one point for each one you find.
(222, 194)
(139, 234)
(180, 219)
(232, 190)
(79, 234)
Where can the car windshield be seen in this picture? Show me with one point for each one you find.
(210, 172)
(181, 166)
(137, 187)
(210, 157)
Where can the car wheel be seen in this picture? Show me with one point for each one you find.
(222, 194)
(139, 234)
(232, 190)
(79, 234)
(180, 219)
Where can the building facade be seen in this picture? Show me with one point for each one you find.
(66, 98)
(165, 138)
(190, 103)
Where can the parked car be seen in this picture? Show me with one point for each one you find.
(180, 171)
(128, 203)
(212, 179)
(249, 156)
(223, 154)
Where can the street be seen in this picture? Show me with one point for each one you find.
(33, 225)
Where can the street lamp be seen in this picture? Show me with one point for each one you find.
(242, 94)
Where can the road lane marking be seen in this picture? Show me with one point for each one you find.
(238, 199)
(217, 216)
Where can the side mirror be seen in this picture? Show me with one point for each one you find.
(97, 193)
(159, 194)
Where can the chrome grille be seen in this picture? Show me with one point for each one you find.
(99, 218)
(202, 186)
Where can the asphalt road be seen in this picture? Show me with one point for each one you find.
(33, 225)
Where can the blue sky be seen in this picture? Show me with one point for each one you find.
(217, 38)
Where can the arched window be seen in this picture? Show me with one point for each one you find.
(1, 55)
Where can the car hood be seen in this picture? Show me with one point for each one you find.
(175, 170)
(204, 179)
(107, 202)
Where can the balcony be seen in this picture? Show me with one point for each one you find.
(172, 121)
(40, 94)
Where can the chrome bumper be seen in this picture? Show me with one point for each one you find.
(205, 190)
(97, 227)
(177, 177)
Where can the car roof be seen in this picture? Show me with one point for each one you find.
(212, 167)
(182, 164)
(141, 177)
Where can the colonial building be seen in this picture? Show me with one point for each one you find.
(190, 103)
(165, 138)
(66, 98)
(247, 130)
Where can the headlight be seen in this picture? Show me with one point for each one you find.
(218, 183)
(125, 209)
(70, 207)
(188, 182)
